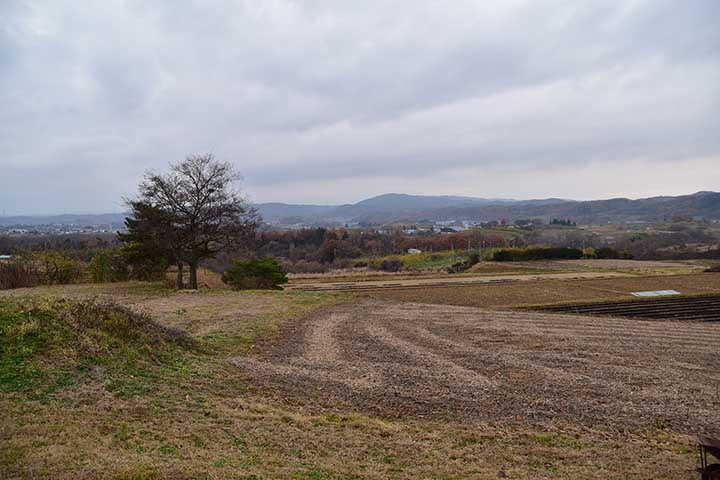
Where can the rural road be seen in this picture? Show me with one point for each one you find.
(445, 282)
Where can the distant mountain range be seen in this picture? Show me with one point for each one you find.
(401, 208)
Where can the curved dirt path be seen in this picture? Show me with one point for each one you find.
(441, 361)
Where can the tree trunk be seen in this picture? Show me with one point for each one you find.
(193, 275)
(180, 284)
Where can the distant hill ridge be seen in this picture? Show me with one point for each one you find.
(396, 207)
(402, 208)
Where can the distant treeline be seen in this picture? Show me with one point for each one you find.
(80, 246)
(320, 249)
(320, 246)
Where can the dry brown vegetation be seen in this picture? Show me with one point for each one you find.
(552, 291)
(615, 264)
(365, 274)
(315, 385)
(458, 362)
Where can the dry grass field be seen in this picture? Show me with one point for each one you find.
(458, 362)
(553, 291)
(365, 274)
(490, 268)
(455, 281)
(322, 385)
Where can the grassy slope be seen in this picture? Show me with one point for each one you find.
(188, 413)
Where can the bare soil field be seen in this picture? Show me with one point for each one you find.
(704, 308)
(615, 264)
(500, 366)
(553, 291)
(638, 267)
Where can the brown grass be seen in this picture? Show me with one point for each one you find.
(459, 362)
(365, 274)
(206, 418)
(552, 291)
(245, 437)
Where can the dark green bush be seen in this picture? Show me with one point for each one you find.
(459, 267)
(145, 264)
(264, 273)
(607, 253)
(109, 266)
(391, 265)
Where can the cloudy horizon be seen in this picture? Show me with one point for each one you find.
(333, 102)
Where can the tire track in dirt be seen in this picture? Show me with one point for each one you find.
(450, 370)
(427, 360)
(661, 330)
(321, 354)
(499, 361)
(554, 376)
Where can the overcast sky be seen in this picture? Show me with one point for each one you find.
(332, 102)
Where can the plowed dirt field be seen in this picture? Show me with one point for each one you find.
(399, 359)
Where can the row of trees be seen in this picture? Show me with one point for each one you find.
(327, 245)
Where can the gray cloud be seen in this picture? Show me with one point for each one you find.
(332, 101)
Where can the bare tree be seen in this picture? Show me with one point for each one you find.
(203, 208)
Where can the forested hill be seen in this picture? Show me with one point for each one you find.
(412, 208)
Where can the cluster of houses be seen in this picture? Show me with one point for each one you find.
(56, 229)
(453, 226)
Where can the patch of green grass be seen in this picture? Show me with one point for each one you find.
(147, 288)
(431, 260)
(421, 261)
(556, 440)
(477, 440)
(168, 449)
(10, 455)
(21, 338)
(46, 346)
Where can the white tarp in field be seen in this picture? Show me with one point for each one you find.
(655, 293)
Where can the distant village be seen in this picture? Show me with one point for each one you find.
(57, 229)
(432, 227)
(420, 228)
